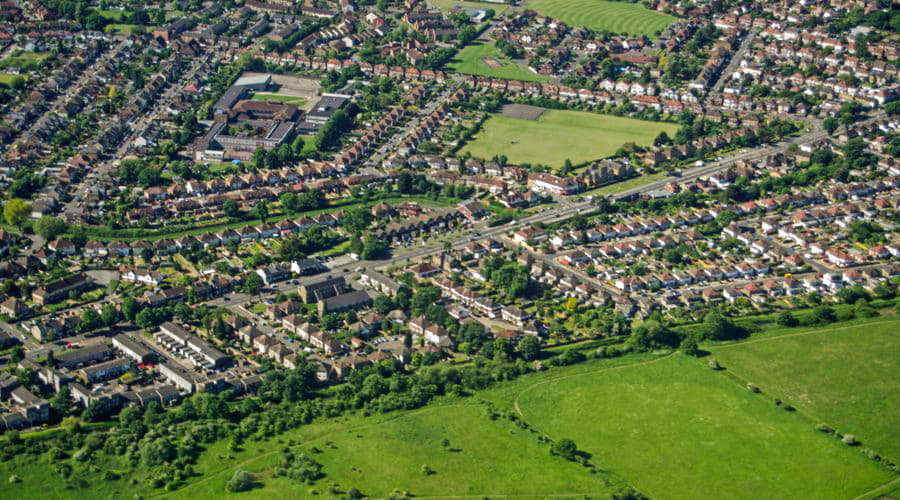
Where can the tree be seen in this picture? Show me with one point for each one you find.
(785, 318)
(529, 347)
(404, 183)
(89, 320)
(253, 284)
(652, 334)
(16, 211)
(230, 209)
(822, 315)
(830, 124)
(49, 227)
(109, 315)
(130, 308)
(261, 211)
(565, 448)
(689, 346)
(374, 248)
(718, 327)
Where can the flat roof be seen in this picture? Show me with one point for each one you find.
(253, 80)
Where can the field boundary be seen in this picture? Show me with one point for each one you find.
(798, 334)
(809, 417)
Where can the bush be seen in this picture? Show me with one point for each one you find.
(14, 479)
(240, 481)
(753, 388)
(827, 429)
(714, 365)
(849, 440)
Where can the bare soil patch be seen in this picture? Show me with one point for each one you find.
(492, 62)
(522, 111)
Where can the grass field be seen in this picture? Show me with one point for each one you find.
(377, 455)
(470, 61)
(600, 15)
(7, 78)
(126, 28)
(25, 61)
(845, 376)
(560, 134)
(618, 187)
(676, 429)
(270, 96)
(447, 5)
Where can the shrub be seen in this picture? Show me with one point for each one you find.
(713, 364)
(753, 388)
(240, 481)
(871, 454)
(789, 408)
(849, 440)
(14, 479)
(827, 429)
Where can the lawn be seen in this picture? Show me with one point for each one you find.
(559, 134)
(675, 429)
(470, 61)
(600, 15)
(377, 455)
(447, 5)
(273, 97)
(8, 78)
(24, 61)
(618, 187)
(128, 29)
(845, 376)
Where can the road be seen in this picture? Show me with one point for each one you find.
(733, 64)
(79, 192)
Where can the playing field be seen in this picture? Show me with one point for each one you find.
(560, 134)
(676, 429)
(473, 60)
(617, 17)
(274, 97)
(845, 376)
(447, 5)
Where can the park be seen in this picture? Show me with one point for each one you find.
(615, 17)
(553, 136)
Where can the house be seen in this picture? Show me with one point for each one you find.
(57, 290)
(379, 282)
(514, 315)
(311, 293)
(345, 302)
(14, 308)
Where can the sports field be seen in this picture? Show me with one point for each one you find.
(483, 59)
(617, 17)
(275, 97)
(447, 5)
(560, 134)
(676, 429)
(845, 376)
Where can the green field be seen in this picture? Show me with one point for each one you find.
(470, 61)
(617, 17)
(378, 455)
(7, 78)
(447, 5)
(373, 454)
(560, 134)
(675, 429)
(274, 97)
(845, 376)
(128, 29)
(25, 61)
